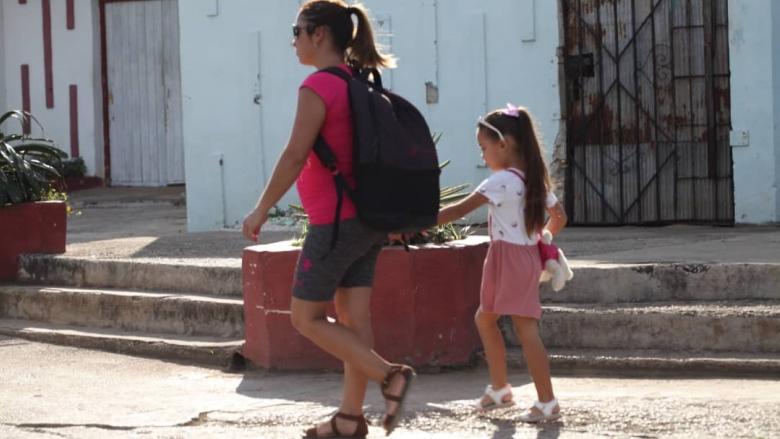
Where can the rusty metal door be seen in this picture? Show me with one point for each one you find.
(647, 112)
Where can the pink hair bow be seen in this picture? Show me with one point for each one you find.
(511, 110)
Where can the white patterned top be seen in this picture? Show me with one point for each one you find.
(505, 192)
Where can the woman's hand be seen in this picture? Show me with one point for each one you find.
(252, 224)
(402, 237)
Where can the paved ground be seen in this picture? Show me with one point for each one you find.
(61, 392)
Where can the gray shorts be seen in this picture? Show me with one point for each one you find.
(320, 270)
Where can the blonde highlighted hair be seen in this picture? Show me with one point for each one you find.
(359, 45)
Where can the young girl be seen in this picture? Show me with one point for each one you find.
(325, 35)
(518, 193)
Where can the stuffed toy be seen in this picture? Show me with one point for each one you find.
(555, 266)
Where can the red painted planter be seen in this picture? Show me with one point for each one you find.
(422, 306)
(30, 228)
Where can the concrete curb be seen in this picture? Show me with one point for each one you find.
(624, 283)
(125, 310)
(671, 327)
(642, 363)
(186, 350)
(217, 280)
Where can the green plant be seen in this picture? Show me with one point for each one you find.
(29, 167)
(74, 168)
(302, 219)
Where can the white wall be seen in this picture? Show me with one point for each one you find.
(753, 47)
(3, 87)
(776, 94)
(73, 63)
(220, 76)
(242, 49)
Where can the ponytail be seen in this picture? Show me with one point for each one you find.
(539, 183)
(358, 46)
(362, 51)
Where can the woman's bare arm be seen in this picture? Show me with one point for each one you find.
(309, 118)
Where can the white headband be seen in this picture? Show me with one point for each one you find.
(486, 124)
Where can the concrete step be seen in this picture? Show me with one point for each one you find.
(219, 277)
(592, 283)
(737, 326)
(644, 362)
(198, 350)
(624, 283)
(125, 310)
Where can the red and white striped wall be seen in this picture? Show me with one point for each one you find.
(49, 57)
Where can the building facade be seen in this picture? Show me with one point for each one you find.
(159, 92)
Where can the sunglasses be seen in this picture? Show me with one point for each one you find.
(296, 30)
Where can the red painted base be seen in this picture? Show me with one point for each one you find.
(30, 228)
(422, 306)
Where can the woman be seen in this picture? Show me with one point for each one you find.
(325, 36)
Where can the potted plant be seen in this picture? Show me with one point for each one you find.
(32, 211)
(423, 302)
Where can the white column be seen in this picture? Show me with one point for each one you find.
(3, 85)
(753, 109)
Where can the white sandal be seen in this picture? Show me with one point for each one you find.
(545, 412)
(497, 397)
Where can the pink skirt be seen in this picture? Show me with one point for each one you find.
(510, 280)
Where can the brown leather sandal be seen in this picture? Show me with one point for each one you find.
(391, 421)
(361, 431)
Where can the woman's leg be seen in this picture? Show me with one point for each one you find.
(535, 356)
(495, 350)
(309, 318)
(352, 309)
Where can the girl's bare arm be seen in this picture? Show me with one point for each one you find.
(461, 208)
(557, 220)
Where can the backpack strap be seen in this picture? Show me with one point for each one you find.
(369, 76)
(519, 175)
(337, 71)
(325, 154)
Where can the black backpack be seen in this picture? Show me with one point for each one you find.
(395, 164)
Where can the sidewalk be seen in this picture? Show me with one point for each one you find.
(150, 224)
(115, 396)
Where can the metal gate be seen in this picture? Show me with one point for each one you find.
(647, 112)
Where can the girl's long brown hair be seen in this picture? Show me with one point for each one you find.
(523, 129)
(358, 46)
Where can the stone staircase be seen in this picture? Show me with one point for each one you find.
(723, 318)
(175, 311)
(676, 317)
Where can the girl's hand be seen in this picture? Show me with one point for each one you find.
(252, 224)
